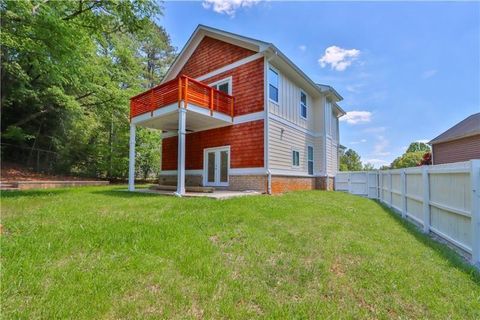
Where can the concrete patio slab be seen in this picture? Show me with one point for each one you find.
(217, 194)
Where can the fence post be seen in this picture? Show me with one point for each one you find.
(404, 193)
(390, 203)
(426, 200)
(475, 214)
(349, 182)
(380, 185)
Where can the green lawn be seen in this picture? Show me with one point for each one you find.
(101, 253)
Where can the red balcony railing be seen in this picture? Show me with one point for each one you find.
(185, 89)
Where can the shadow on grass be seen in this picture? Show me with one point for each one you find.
(123, 193)
(32, 193)
(454, 258)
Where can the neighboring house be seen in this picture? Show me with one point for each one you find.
(459, 143)
(236, 113)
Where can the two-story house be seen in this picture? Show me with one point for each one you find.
(236, 113)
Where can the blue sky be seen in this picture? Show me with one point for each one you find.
(407, 71)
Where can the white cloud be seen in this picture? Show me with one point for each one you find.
(228, 7)
(338, 58)
(302, 48)
(423, 140)
(380, 146)
(375, 129)
(354, 117)
(355, 88)
(429, 73)
(377, 163)
(358, 142)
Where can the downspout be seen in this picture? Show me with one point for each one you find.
(266, 62)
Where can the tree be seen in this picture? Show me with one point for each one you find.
(350, 161)
(418, 146)
(408, 159)
(414, 156)
(68, 71)
(368, 167)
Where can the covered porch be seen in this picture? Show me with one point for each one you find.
(178, 107)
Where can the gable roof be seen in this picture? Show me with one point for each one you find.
(465, 128)
(253, 44)
(200, 32)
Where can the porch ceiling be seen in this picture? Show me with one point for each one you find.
(195, 121)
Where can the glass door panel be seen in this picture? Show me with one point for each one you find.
(224, 166)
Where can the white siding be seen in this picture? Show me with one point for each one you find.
(288, 106)
(282, 142)
(321, 120)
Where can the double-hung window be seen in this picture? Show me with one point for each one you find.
(303, 105)
(272, 85)
(295, 158)
(224, 85)
(310, 159)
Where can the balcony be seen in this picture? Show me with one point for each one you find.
(157, 108)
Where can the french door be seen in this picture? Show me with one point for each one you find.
(216, 163)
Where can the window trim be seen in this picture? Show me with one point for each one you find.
(306, 105)
(313, 159)
(292, 157)
(277, 87)
(222, 81)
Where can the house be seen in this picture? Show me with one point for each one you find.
(459, 143)
(236, 113)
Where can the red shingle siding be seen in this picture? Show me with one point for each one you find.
(457, 150)
(212, 54)
(247, 86)
(245, 141)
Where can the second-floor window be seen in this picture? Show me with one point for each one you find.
(224, 85)
(303, 105)
(272, 85)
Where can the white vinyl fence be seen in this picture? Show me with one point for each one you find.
(443, 199)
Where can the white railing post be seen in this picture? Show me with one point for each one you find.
(426, 199)
(475, 214)
(403, 181)
(131, 159)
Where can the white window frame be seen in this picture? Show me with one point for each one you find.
(278, 85)
(291, 157)
(313, 159)
(301, 105)
(222, 81)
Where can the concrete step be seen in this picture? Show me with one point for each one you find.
(187, 189)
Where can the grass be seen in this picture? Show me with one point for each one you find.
(97, 252)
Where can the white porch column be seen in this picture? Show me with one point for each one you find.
(131, 159)
(182, 116)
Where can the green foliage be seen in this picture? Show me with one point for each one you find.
(412, 157)
(418, 146)
(103, 253)
(408, 159)
(368, 167)
(350, 161)
(68, 71)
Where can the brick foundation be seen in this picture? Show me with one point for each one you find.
(190, 180)
(248, 182)
(325, 183)
(236, 183)
(282, 184)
